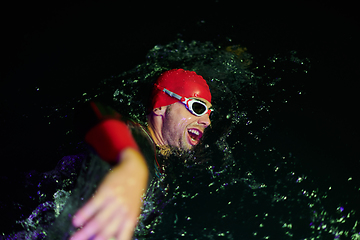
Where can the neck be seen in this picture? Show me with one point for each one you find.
(156, 136)
(155, 133)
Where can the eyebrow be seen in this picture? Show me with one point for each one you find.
(200, 101)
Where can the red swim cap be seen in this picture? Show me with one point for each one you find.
(182, 82)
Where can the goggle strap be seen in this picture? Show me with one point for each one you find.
(172, 94)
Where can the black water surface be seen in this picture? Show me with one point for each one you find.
(54, 53)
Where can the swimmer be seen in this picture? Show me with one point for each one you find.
(179, 114)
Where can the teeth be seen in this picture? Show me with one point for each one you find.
(194, 131)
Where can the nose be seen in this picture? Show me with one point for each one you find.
(204, 120)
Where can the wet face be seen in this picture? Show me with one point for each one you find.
(181, 128)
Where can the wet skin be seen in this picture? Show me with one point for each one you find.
(113, 211)
(180, 127)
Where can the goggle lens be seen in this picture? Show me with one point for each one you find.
(199, 108)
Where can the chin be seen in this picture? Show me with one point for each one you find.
(188, 146)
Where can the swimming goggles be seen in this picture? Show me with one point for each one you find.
(196, 107)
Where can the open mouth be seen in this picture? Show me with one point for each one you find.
(194, 135)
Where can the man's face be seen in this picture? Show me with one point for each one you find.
(181, 128)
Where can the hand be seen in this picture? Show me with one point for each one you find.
(113, 211)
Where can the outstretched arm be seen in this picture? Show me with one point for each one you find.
(114, 209)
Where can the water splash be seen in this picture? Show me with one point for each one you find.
(244, 181)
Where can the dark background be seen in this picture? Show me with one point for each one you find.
(54, 52)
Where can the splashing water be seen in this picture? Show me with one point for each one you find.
(247, 179)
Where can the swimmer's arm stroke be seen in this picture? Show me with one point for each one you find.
(113, 211)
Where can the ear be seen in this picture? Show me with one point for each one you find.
(160, 111)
